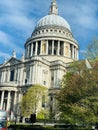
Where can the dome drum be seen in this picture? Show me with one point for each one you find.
(63, 36)
(51, 46)
(51, 29)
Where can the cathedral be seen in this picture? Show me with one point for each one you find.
(48, 52)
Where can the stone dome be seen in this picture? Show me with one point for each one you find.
(53, 20)
(52, 38)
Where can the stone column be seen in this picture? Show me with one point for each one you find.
(32, 49)
(41, 48)
(2, 100)
(8, 100)
(58, 52)
(73, 51)
(64, 49)
(53, 47)
(36, 48)
(47, 47)
(15, 101)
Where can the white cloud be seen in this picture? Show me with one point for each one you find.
(7, 40)
(19, 22)
(15, 14)
(4, 55)
(82, 13)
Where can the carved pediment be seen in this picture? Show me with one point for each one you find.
(12, 61)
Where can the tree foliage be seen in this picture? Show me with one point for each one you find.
(43, 114)
(78, 97)
(31, 99)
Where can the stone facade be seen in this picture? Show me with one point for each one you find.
(48, 51)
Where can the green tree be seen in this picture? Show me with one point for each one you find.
(78, 97)
(43, 114)
(32, 98)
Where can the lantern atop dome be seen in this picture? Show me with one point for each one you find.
(53, 7)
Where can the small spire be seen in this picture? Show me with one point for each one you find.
(54, 1)
(53, 7)
(14, 54)
(23, 56)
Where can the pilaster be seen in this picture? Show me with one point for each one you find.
(47, 47)
(32, 49)
(53, 47)
(36, 48)
(8, 101)
(41, 48)
(2, 100)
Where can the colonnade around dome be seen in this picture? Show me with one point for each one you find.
(52, 47)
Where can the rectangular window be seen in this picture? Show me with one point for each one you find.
(43, 101)
(12, 75)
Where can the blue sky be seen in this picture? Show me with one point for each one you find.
(19, 17)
